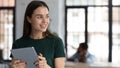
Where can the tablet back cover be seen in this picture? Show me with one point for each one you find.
(28, 55)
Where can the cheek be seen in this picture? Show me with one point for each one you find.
(48, 21)
(35, 24)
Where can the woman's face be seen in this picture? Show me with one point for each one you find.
(40, 19)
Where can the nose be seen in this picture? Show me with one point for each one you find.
(45, 20)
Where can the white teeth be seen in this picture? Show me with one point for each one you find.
(43, 26)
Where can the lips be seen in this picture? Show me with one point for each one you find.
(43, 26)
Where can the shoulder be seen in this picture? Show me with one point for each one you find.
(58, 41)
(16, 43)
(75, 55)
(19, 40)
(55, 38)
(89, 55)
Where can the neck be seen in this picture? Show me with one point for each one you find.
(36, 35)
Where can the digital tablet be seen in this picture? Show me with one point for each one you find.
(28, 55)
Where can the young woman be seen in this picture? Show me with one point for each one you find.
(49, 48)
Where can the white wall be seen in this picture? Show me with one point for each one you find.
(56, 14)
(20, 9)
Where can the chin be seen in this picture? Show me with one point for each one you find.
(43, 30)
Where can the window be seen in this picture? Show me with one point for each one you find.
(98, 32)
(90, 21)
(6, 27)
(116, 34)
(75, 29)
(86, 2)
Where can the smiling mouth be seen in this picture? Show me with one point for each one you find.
(43, 26)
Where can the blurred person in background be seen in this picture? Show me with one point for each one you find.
(82, 54)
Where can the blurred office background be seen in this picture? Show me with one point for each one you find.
(96, 22)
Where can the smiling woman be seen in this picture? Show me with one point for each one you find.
(36, 34)
(39, 20)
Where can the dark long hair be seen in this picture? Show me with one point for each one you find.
(29, 11)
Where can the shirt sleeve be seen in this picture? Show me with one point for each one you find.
(59, 48)
(90, 58)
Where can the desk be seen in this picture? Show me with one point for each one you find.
(5, 63)
(94, 65)
(81, 65)
(4, 66)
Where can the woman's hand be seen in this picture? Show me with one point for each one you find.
(18, 64)
(42, 63)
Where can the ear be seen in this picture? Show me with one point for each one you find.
(28, 19)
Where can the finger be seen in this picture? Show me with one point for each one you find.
(15, 61)
(42, 58)
(40, 63)
(36, 63)
(21, 64)
(40, 54)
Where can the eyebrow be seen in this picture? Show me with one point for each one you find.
(40, 14)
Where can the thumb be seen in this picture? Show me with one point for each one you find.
(40, 55)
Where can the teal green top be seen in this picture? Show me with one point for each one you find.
(50, 48)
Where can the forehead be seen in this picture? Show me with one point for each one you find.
(41, 10)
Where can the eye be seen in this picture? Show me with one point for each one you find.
(39, 17)
(47, 16)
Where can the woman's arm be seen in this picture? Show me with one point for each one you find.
(60, 62)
